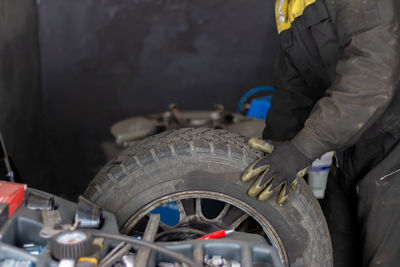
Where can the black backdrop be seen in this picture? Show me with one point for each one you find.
(105, 60)
(21, 117)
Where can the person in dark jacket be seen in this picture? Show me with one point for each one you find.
(336, 79)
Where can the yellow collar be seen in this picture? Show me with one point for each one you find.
(286, 11)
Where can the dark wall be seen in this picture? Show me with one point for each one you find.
(21, 120)
(104, 60)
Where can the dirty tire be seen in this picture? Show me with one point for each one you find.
(209, 160)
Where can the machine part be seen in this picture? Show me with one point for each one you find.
(192, 165)
(149, 235)
(3, 213)
(34, 249)
(240, 249)
(71, 245)
(52, 223)
(5, 159)
(170, 264)
(112, 252)
(94, 258)
(115, 257)
(66, 263)
(175, 114)
(122, 248)
(88, 214)
(15, 263)
(217, 260)
(134, 241)
(129, 260)
(36, 201)
(128, 132)
(179, 234)
(98, 242)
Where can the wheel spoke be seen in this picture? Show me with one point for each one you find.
(223, 213)
(163, 226)
(181, 209)
(233, 217)
(188, 206)
(238, 221)
(140, 226)
(206, 212)
(199, 212)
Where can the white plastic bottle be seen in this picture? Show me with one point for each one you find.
(318, 174)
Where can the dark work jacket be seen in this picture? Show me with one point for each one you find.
(336, 74)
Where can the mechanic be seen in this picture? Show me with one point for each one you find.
(336, 80)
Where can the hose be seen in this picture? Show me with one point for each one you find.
(133, 241)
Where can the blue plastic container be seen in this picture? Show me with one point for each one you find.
(259, 107)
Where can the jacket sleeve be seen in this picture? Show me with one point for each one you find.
(291, 102)
(365, 81)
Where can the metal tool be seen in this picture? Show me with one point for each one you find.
(122, 248)
(112, 259)
(111, 253)
(149, 235)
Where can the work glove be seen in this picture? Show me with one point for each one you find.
(280, 170)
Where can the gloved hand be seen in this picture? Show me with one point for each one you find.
(280, 169)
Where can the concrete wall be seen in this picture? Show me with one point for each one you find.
(21, 120)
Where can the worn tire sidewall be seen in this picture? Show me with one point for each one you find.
(297, 222)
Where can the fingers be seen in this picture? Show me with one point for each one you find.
(259, 186)
(261, 145)
(287, 190)
(283, 195)
(265, 191)
(303, 172)
(254, 169)
(261, 167)
(270, 189)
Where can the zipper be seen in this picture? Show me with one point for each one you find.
(281, 15)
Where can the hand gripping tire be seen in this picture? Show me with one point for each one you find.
(205, 163)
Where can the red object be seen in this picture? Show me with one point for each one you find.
(13, 194)
(216, 235)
